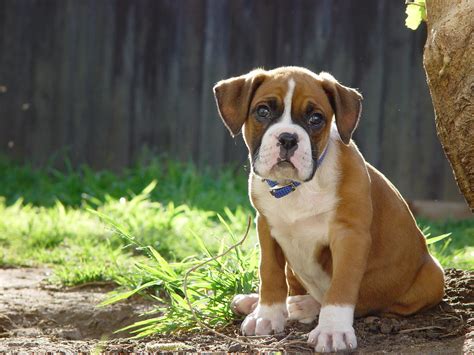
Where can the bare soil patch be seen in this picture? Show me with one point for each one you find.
(35, 317)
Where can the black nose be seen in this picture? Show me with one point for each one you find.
(288, 140)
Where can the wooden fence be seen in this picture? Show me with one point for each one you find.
(102, 80)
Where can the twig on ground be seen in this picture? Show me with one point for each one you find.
(295, 343)
(300, 348)
(450, 316)
(8, 319)
(421, 328)
(285, 338)
(458, 329)
(256, 337)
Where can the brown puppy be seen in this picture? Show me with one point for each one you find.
(336, 237)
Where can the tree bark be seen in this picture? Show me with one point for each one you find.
(449, 64)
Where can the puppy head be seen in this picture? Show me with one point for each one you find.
(286, 115)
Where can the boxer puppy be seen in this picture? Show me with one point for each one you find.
(337, 239)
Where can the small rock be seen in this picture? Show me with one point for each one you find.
(373, 323)
(386, 326)
(235, 348)
(70, 334)
(27, 332)
(396, 325)
(160, 347)
(369, 320)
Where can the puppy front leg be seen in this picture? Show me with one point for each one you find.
(349, 248)
(270, 314)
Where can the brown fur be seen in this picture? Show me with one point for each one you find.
(377, 256)
(273, 286)
(294, 285)
(324, 258)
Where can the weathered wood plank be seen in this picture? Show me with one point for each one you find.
(215, 67)
(104, 80)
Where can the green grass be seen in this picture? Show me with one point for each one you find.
(210, 189)
(458, 249)
(144, 228)
(44, 216)
(210, 283)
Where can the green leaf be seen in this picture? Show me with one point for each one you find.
(222, 220)
(125, 295)
(416, 12)
(148, 189)
(437, 239)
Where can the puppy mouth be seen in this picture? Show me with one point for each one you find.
(285, 164)
(283, 170)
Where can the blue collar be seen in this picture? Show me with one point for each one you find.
(279, 191)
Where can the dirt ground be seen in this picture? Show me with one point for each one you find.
(36, 317)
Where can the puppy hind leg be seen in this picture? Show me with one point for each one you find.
(301, 306)
(426, 291)
(244, 304)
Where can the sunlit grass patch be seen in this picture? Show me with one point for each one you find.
(80, 248)
(457, 248)
(209, 285)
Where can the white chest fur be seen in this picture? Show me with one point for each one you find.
(300, 221)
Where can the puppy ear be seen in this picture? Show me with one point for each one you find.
(233, 97)
(346, 103)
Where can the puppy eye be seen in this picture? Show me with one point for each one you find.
(263, 111)
(315, 120)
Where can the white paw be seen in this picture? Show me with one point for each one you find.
(334, 331)
(328, 340)
(244, 304)
(265, 320)
(304, 308)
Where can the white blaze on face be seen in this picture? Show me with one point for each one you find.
(269, 153)
(286, 116)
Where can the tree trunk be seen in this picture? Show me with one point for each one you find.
(449, 64)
